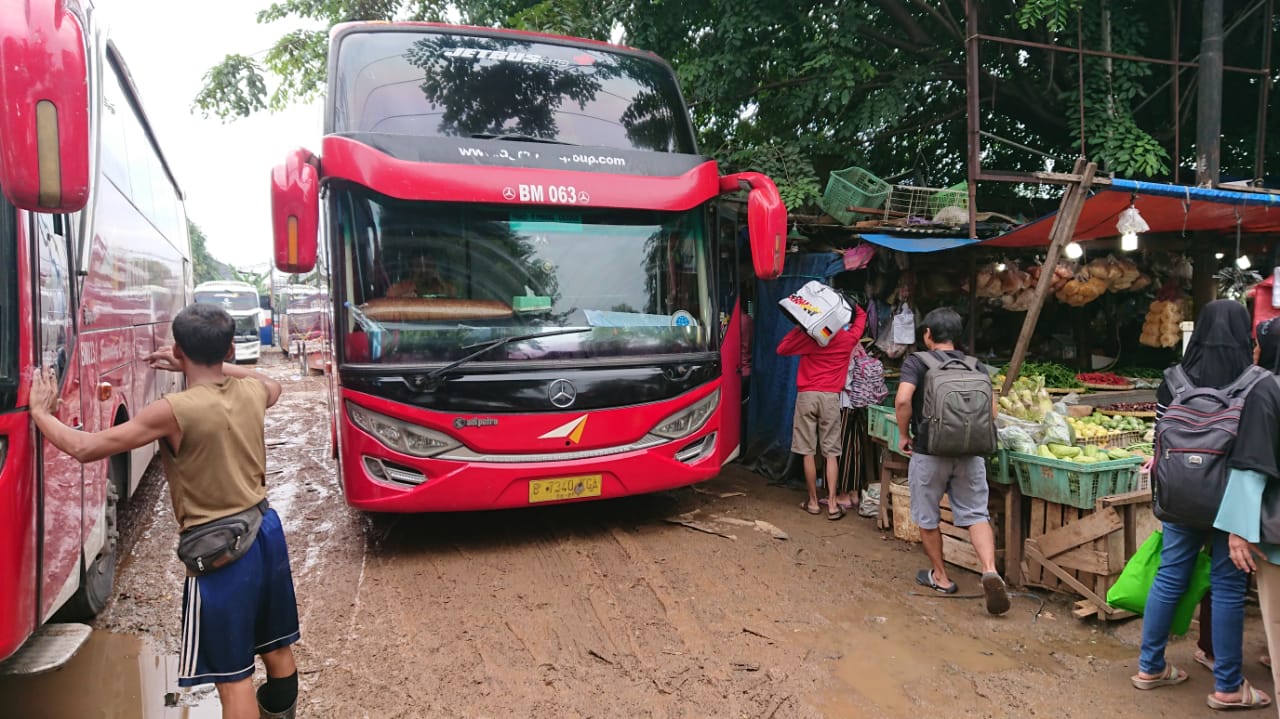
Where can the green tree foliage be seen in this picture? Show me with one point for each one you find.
(799, 88)
(204, 267)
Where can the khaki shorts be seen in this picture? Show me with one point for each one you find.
(817, 421)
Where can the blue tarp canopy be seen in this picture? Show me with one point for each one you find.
(918, 243)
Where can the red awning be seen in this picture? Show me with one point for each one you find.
(1166, 208)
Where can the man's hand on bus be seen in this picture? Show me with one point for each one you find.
(44, 392)
(164, 359)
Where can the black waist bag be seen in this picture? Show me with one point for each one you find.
(214, 545)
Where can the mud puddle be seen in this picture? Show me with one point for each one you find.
(114, 676)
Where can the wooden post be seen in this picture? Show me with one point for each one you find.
(1064, 227)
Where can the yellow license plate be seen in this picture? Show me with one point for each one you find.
(550, 490)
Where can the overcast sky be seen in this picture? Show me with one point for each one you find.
(223, 168)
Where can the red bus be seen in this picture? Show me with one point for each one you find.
(94, 264)
(533, 298)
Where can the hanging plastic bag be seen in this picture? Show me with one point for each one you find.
(904, 326)
(1134, 584)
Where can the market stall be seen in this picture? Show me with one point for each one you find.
(1080, 323)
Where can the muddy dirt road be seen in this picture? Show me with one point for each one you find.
(606, 610)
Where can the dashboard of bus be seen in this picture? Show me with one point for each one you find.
(424, 283)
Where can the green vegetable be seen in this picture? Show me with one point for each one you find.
(1054, 374)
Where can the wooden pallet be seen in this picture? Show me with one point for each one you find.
(1082, 551)
(956, 547)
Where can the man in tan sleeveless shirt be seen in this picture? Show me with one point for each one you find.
(211, 442)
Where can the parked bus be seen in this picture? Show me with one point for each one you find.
(304, 324)
(240, 300)
(531, 298)
(94, 264)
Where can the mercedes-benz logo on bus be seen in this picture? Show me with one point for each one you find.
(562, 393)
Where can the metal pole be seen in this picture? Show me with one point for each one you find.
(1114, 55)
(1176, 6)
(1209, 102)
(1264, 94)
(972, 96)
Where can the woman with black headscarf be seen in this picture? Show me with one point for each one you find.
(1220, 351)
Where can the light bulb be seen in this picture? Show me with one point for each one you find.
(1001, 267)
(1218, 256)
(1129, 242)
(1074, 251)
(1243, 262)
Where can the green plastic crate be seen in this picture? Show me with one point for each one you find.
(1072, 484)
(998, 467)
(853, 187)
(954, 196)
(882, 423)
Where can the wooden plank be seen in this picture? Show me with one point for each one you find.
(961, 554)
(1035, 573)
(1141, 496)
(1033, 552)
(882, 519)
(950, 530)
(1013, 535)
(1052, 523)
(1081, 531)
(1064, 228)
(1085, 559)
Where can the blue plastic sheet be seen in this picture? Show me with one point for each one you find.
(773, 378)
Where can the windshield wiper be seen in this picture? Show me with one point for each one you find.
(432, 378)
(515, 137)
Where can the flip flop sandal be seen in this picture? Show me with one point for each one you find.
(1250, 698)
(811, 510)
(1203, 659)
(1169, 677)
(925, 579)
(838, 514)
(996, 593)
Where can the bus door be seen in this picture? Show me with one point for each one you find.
(60, 476)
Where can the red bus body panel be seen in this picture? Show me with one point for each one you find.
(347, 159)
(465, 486)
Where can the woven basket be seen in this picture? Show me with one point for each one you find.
(903, 527)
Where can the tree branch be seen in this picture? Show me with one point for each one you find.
(953, 29)
(905, 20)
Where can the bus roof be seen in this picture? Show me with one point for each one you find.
(346, 27)
(226, 286)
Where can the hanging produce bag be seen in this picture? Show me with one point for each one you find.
(1134, 584)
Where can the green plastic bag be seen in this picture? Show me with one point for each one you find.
(1134, 583)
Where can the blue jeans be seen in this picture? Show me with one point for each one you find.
(1177, 558)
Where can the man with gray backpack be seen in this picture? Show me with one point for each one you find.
(946, 422)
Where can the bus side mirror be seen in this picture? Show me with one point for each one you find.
(766, 221)
(295, 211)
(44, 93)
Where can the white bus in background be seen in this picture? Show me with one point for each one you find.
(240, 300)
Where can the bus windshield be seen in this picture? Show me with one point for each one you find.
(429, 282)
(427, 83)
(230, 300)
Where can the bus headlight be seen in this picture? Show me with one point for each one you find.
(688, 420)
(401, 436)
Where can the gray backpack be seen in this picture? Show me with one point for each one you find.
(956, 420)
(1193, 446)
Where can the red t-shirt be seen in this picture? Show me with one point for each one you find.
(823, 369)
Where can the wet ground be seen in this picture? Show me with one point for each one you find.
(605, 609)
